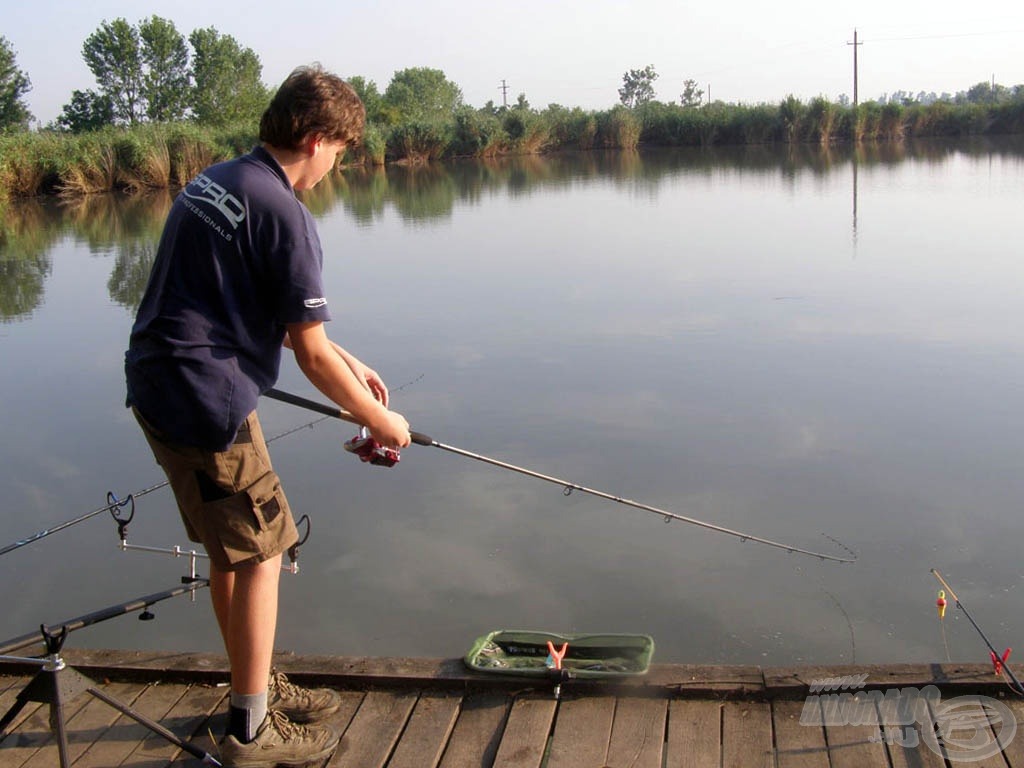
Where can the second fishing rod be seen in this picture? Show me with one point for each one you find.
(376, 454)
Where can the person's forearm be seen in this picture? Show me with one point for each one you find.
(330, 371)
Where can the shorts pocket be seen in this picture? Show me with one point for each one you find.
(253, 524)
(267, 499)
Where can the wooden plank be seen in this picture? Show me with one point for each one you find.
(853, 732)
(1013, 744)
(799, 735)
(477, 733)
(694, 738)
(638, 733)
(350, 703)
(964, 725)
(371, 736)
(707, 680)
(426, 735)
(583, 728)
(125, 735)
(419, 673)
(952, 679)
(525, 738)
(746, 734)
(187, 720)
(907, 731)
(13, 685)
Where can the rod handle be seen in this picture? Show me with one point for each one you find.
(332, 410)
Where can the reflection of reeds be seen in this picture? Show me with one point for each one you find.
(110, 221)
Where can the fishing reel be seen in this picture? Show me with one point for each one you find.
(369, 450)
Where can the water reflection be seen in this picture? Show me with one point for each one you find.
(130, 226)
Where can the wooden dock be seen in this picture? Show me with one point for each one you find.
(434, 713)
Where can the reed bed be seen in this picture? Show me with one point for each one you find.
(167, 156)
(147, 157)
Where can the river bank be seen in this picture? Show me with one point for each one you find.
(165, 156)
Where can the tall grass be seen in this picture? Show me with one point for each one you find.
(168, 156)
(147, 157)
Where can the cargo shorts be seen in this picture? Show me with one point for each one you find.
(230, 501)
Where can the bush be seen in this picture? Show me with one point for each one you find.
(418, 142)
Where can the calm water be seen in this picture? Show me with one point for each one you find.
(791, 344)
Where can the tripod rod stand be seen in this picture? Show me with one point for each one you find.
(57, 684)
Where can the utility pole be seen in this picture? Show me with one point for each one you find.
(504, 94)
(855, 44)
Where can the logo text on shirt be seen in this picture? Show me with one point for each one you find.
(205, 190)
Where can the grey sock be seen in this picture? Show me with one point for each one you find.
(246, 715)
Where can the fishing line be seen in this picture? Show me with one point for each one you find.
(567, 486)
(114, 504)
(849, 625)
(998, 661)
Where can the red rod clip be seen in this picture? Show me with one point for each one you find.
(997, 663)
(557, 655)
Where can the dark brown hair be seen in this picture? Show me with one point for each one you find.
(312, 102)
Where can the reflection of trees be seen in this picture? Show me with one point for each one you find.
(22, 284)
(422, 192)
(364, 191)
(128, 226)
(27, 233)
(128, 279)
(107, 222)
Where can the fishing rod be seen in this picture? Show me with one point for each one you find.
(114, 504)
(373, 453)
(188, 587)
(998, 660)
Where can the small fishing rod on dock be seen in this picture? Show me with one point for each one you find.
(998, 660)
(369, 451)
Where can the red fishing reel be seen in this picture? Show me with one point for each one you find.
(369, 450)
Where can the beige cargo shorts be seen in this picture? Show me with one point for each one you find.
(230, 501)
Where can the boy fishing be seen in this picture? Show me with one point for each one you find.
(237, 276)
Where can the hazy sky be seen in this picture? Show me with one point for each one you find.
(571, 53)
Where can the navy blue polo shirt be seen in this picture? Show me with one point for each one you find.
(239, 258)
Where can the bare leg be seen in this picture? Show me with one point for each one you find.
(245, 603)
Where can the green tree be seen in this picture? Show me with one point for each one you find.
(985, 93)
(113, 54)
(226, 77)
(165, 83)
(369, 95)
(14, 84)
(638, 86)
(420, 94)
(87, 111)
(692, 96)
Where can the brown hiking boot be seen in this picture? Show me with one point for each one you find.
(302, 705)
(280, 742)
